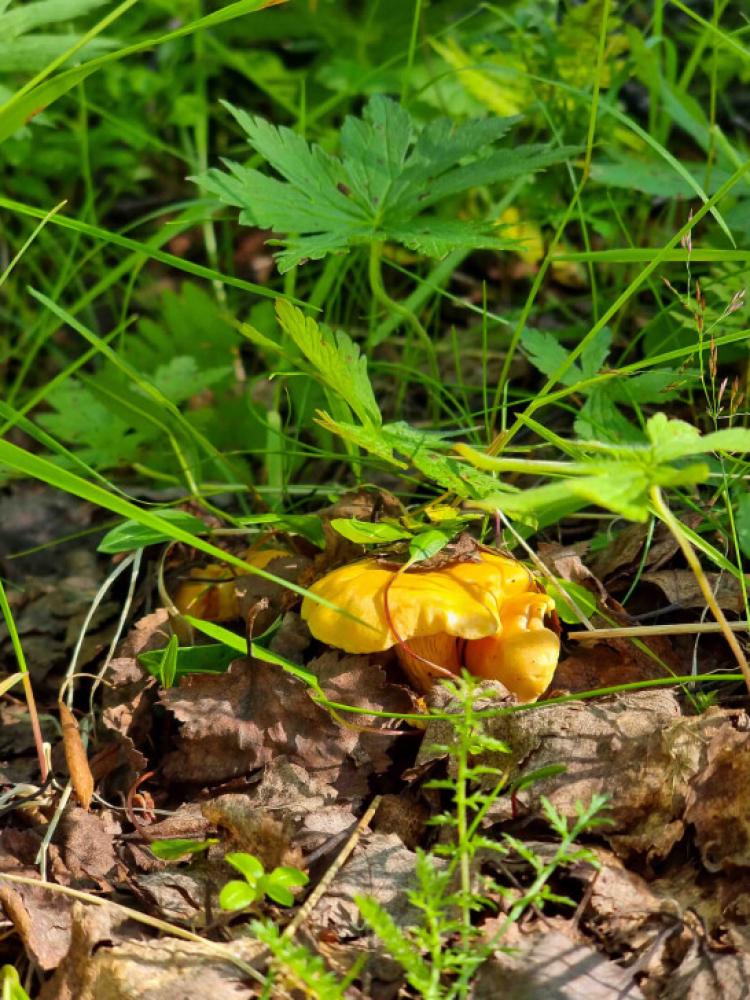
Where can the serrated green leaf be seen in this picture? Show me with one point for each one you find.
(180, 378)
(546, 353)
(389, 173)
(433, 237)
(335, 357)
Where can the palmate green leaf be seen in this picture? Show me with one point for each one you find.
(434, 237)
(101, 439)
(371, 439)
(389, 174)
(335, 357)
(619, 478)
(676, 439)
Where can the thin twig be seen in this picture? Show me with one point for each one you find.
(322, 887)
(219, 950)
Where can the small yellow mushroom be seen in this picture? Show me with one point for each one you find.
(486, 615)
(211, 591)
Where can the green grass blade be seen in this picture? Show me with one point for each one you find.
(35, 97)
(126, 243)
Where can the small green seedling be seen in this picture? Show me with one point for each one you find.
(277, 885)
(10, 985)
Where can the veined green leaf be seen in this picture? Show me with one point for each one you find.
(335, 357)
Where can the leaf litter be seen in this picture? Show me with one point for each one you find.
(251, 759)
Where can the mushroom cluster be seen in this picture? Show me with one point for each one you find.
(486, 615)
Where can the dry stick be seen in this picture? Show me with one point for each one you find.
(666, 515)
(644, 631)
(321, 888)
(220, 950)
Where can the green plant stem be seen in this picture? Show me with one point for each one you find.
(667, 517)
(26, 681)
(375, 274)
(464, 847)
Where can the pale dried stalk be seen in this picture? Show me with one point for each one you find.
(645, 631)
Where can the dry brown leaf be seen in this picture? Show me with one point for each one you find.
(681, 587)
(182, 895)
(718, 804)
(616, 661)
(87, 843)
(403, 815)
(708, 975)
(551, 965)
(380, 867)
(566, 562)
(186, 822)
(76, 758)
(635, 748)
(618, 562)
(623, 912)
(163, 969)
(241, 720)
(40, 918)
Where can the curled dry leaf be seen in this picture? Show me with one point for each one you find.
(75, 756)
(618, 561)
(40, 918)
(305, 803)
(708, 975)
(718, 803)
(616, 661)
(180, 894)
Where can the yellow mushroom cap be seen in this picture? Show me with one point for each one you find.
(523, 654)
(463, 600)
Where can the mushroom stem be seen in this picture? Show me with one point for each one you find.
(428, 657)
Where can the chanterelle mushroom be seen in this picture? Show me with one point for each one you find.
(486, 615)
(211, 593)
